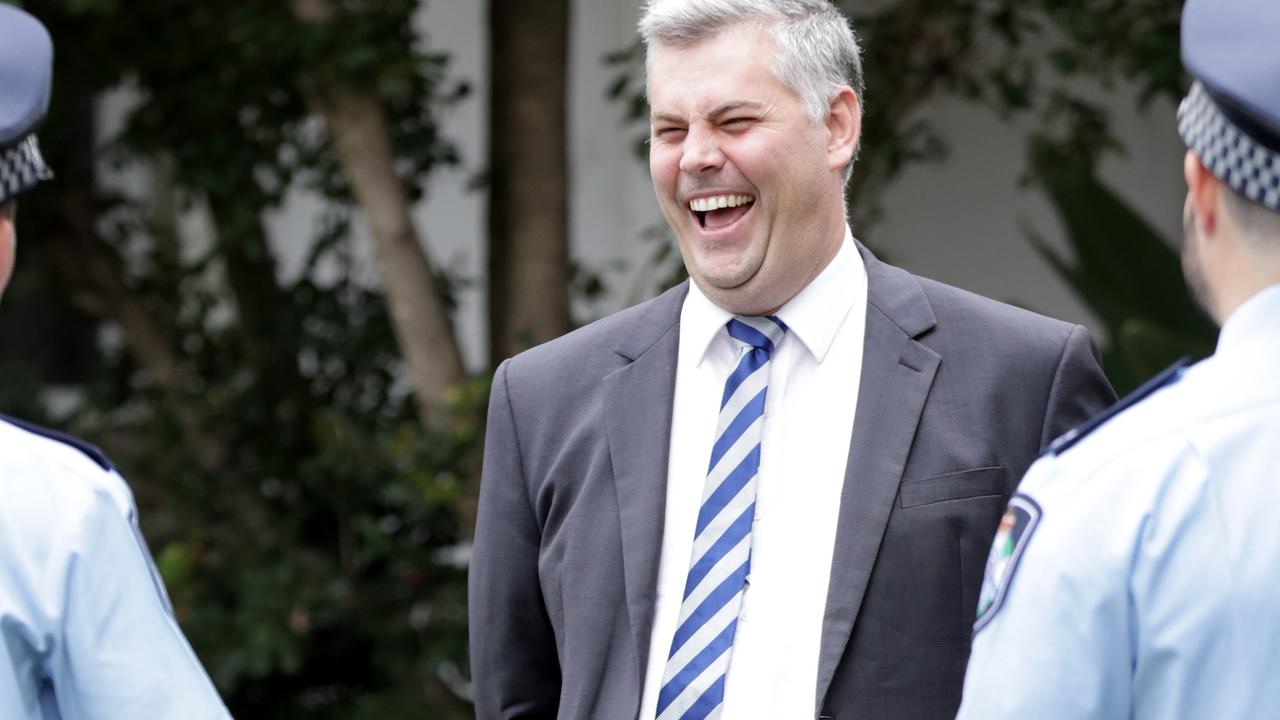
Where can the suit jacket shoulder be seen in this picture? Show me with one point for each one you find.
(1025, 359)
(966, 316)
(568, 370)
(629, 332)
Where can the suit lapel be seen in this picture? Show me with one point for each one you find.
(638, 400)
(897, 373)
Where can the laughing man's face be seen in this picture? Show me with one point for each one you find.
(742, 174)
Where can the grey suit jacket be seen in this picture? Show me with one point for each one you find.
(958, 395)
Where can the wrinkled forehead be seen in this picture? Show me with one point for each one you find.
(706, 82)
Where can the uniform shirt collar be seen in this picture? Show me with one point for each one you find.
(813, 315)
(1257, 318)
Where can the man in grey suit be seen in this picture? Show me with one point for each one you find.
(865, 427)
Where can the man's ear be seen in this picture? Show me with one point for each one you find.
(844, 128)
(1203, 192)
(7, 242)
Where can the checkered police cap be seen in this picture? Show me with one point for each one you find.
(1247, 166)
(26, 70)
(21, 168)
(1231, 117)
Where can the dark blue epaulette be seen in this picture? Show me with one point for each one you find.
(1167, 376)
(94, 454)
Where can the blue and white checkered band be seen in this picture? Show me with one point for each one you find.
(1248, 167)
(21, 168)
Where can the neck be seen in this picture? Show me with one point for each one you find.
(833, 249)
(1250, 274)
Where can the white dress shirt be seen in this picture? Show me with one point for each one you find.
(809, 411)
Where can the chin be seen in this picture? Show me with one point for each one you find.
(745, 298)
(729, 262)
(726, 280)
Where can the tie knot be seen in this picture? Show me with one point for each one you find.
(761, 332)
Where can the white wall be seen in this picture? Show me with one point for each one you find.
(964, 221)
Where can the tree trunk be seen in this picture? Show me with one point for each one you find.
(424, 333)
(529, 272)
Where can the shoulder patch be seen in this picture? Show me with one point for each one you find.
(1016, 526)
(1168, 376)
(93, 453)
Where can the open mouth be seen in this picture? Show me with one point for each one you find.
(720, 211)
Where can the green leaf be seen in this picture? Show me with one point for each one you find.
(618, 86)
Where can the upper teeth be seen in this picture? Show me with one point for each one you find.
(719, 201)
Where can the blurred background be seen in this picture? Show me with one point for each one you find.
(288, 241)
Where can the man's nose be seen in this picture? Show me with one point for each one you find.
(701, 152)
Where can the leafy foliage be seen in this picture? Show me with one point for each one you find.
(311, 570)
(306, 523)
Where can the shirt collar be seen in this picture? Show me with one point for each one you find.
(1257, 318)
(813, 315)
(700, 321)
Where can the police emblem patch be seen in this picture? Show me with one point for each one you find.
(1016, 526)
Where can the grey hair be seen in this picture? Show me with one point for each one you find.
(817, 51)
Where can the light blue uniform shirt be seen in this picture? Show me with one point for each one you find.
(85, 629)
(1149, 586)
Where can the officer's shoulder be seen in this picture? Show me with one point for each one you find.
(40, 460)
(56, 501)
(37, 437)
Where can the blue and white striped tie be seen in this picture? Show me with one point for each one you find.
(693, 682)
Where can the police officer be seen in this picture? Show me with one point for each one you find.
(85, 628)
(1135, 574)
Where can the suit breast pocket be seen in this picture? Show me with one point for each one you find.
(959, 485)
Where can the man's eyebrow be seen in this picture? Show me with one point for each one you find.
(733, 105)
(665, 117)
(722, 109)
